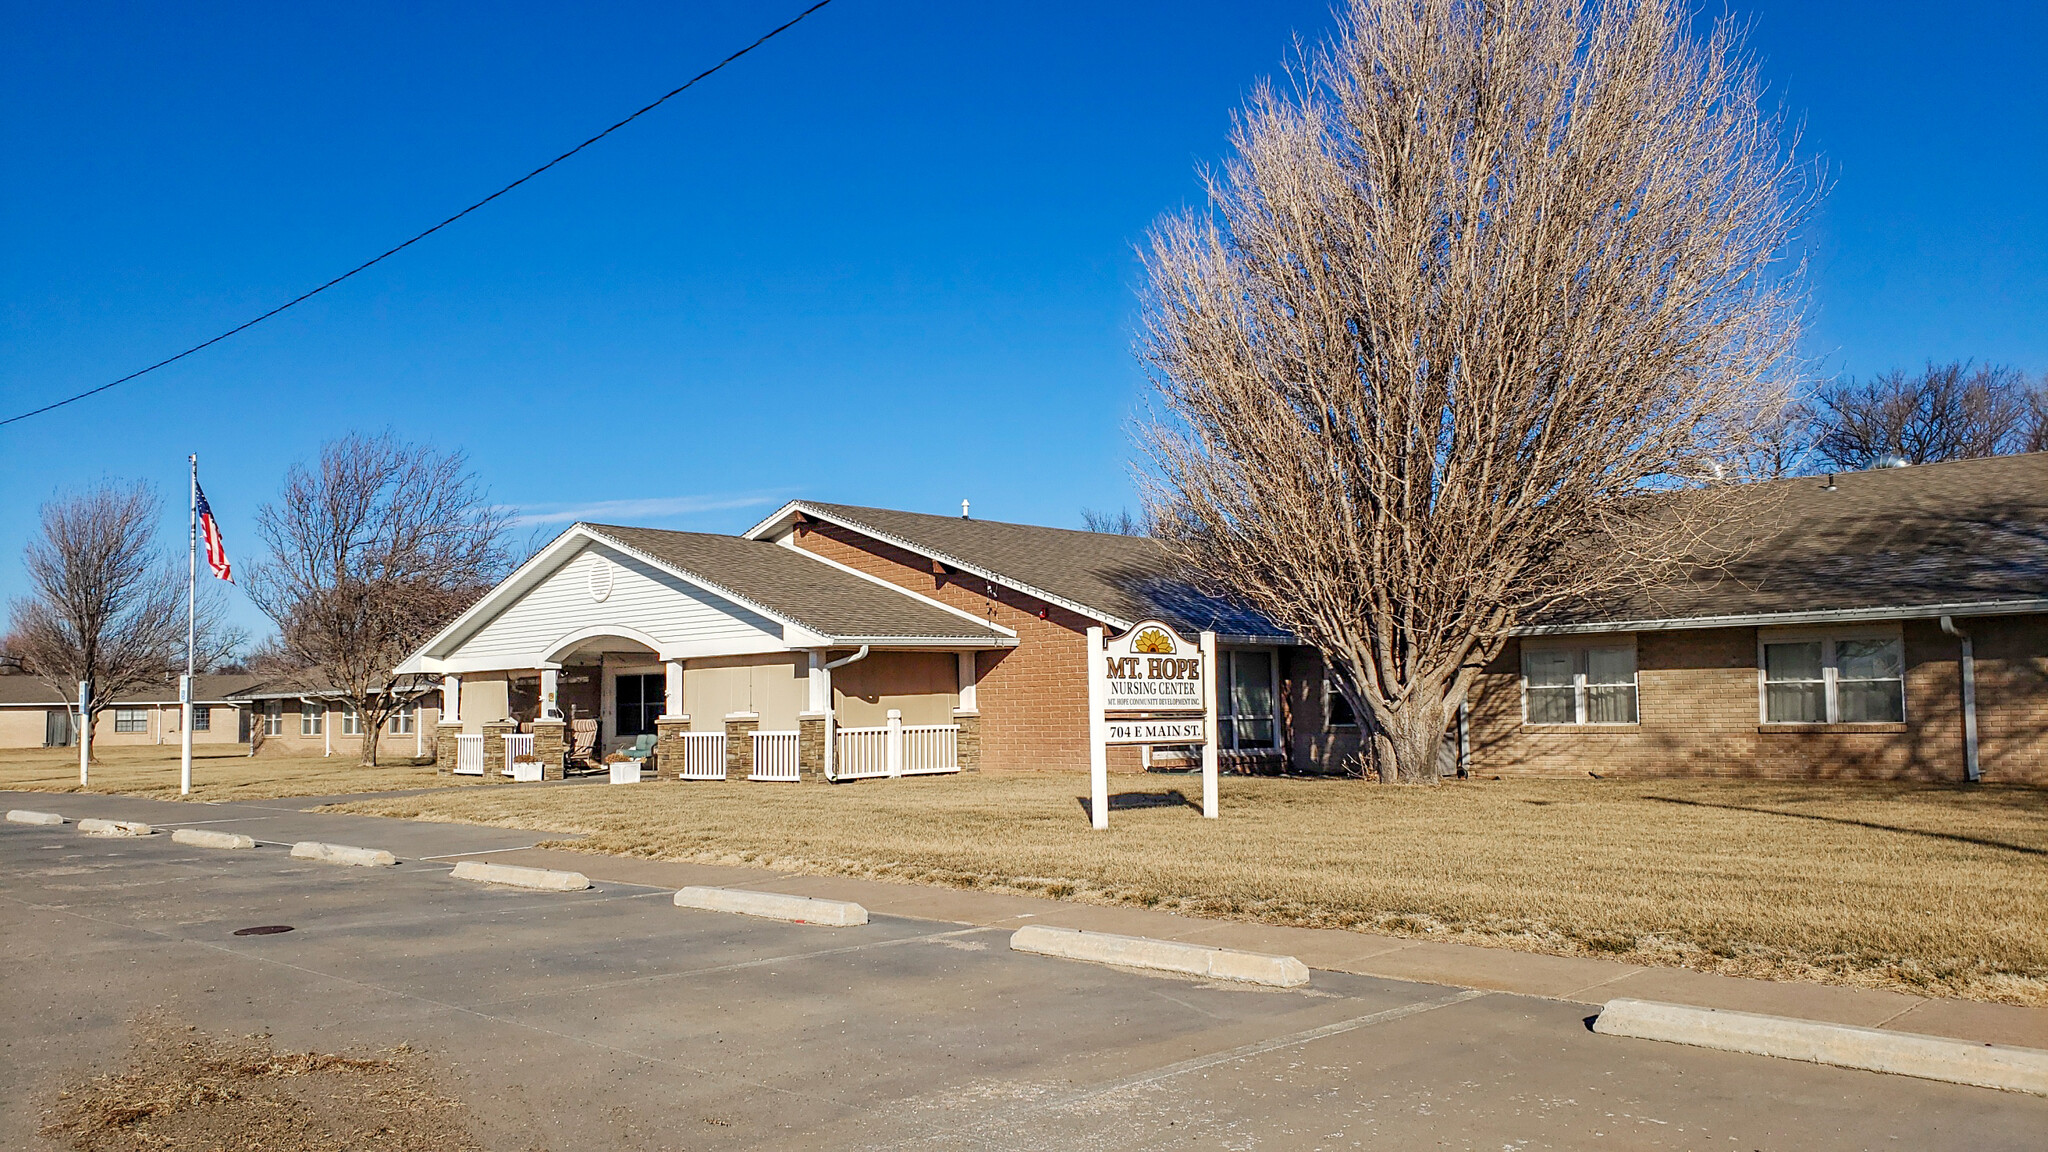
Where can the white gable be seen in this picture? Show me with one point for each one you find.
(598, 587)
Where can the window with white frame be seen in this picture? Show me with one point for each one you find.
(273, 717)
(403, 719)
(1337, 711)
(131, 719)
(1589, 683)
(1834, 678)
(202, 718)
(1246, 711)
(311, 716)
(351, 723)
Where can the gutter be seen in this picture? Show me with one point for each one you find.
(832, 714)
(1970, 767)
(2037, 605)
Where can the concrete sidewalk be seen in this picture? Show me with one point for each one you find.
(1575, 979)
(1581, 980)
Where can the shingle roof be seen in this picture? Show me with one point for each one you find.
(1122, 579)
(208, 688)
(798, 587)
(1932, 535)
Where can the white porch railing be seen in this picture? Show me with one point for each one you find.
(895, 749)
(931, 748)
(517, 744)
(863, 753)
(775, 756)
(703, 756)
(469, 755)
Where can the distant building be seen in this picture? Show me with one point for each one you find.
(278, 714)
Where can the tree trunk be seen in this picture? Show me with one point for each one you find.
(370, 733)
(1417, 736)
(85, 727)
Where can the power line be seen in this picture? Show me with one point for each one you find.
(367, 264)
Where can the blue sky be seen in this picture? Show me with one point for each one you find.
(887, 259)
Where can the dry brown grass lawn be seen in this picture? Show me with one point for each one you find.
(1935, 890)
(218, 773)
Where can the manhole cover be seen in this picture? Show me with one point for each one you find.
(263, 930)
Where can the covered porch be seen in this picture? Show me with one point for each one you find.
(608, 654)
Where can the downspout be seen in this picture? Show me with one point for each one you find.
(1970, 768)
(832, 714)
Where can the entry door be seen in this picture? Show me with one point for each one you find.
(640, 702)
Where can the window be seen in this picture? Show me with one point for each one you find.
(351, 723)
(640, 701)
(403, 719)
(1244, 680)
(1579, 684)
(202, 718)
(1337, 711)
(311, 717)
(1834, 679)
(273, 717)
(131, 720)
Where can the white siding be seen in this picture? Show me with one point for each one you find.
(642, 598)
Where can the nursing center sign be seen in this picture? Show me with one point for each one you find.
(1150, 686)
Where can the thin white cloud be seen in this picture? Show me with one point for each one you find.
(650, 508)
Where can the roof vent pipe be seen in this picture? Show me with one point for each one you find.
(963, 509)
(1970, 768)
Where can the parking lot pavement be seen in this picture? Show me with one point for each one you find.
(610, 1019)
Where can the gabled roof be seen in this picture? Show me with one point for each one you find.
(796, 587)
(208, 688)
(1119, 580)
(1966, 537)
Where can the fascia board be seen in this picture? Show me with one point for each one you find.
(1973, 608)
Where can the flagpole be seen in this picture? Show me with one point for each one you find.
(191, 634)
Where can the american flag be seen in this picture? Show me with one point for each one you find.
(209, 530)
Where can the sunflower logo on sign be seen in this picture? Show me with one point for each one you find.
(1153, 642)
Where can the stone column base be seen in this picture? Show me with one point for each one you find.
(739, 744)
(970, 740)
(668, 744)
(548, 744)
(444, 747)
(810, 745)
(494, 746)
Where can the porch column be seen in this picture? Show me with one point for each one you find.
(810, 723)
(449, 726)
(969, 679)
(968, 714)
(672, 691)
(549, 729)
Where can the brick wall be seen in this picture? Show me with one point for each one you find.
(1033, 699)
(1697, 700)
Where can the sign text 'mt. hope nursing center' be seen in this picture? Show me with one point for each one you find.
(1154, 683)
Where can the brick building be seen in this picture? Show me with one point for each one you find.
(1832, 646)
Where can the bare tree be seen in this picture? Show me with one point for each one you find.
(2037, 418)
(1952, 411)
(1117, 523)
(106, 607)
(371, 552)
(1492, 275)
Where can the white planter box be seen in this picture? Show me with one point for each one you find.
(526, 773)
(625, 772)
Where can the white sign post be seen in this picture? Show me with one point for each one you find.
(1149, 670)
